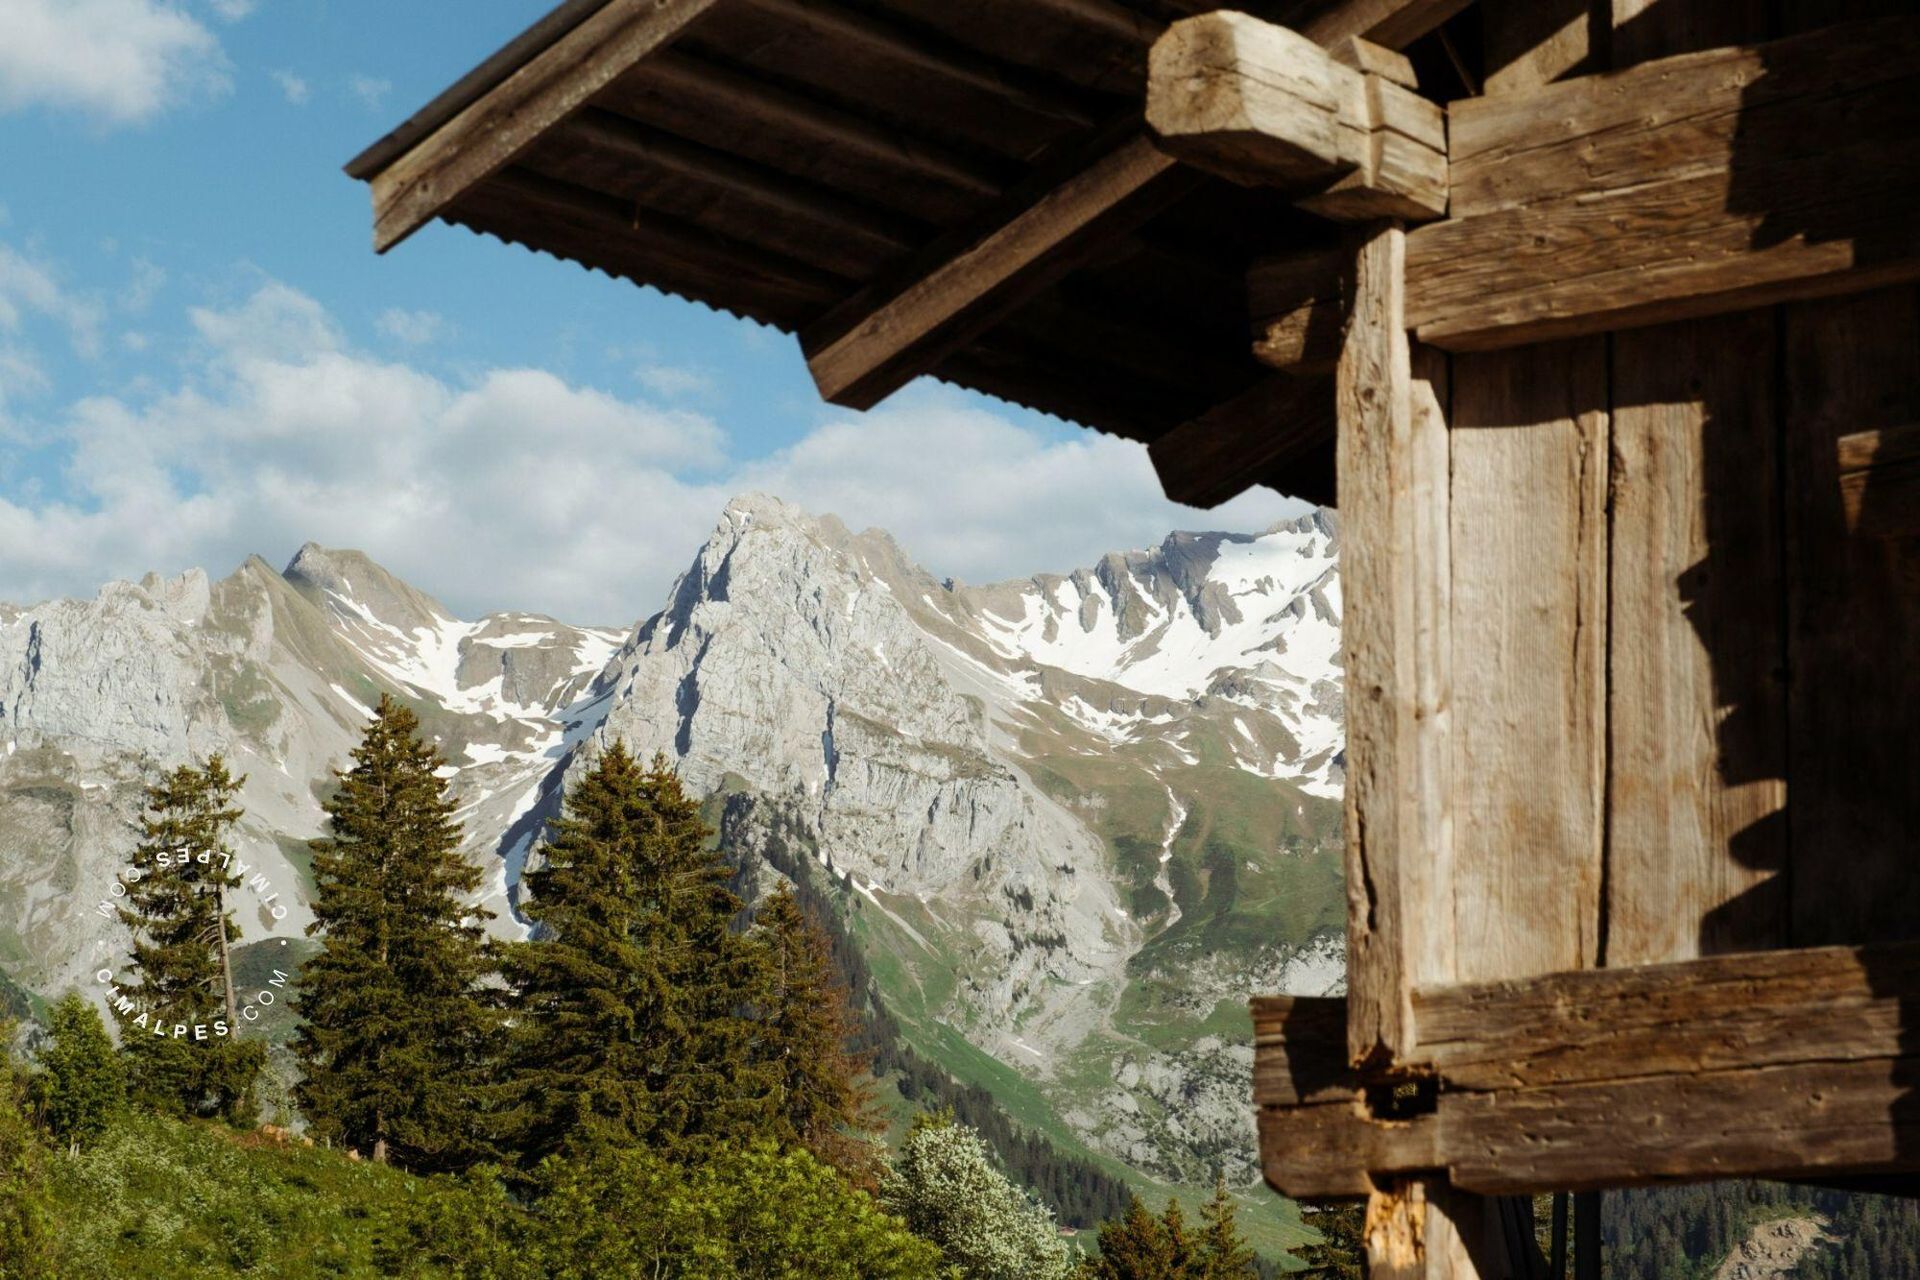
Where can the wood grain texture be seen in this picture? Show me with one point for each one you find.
(1787, 1121)
(1337, 1148)
(1880, 482)
(1697, 698)
(1529, 538)
(1529, 553)
(1771, 1008)
(1262, 105)
(486, 136)
(1693, 185)
(1392, 501)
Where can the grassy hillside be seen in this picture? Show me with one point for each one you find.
(157, 1199)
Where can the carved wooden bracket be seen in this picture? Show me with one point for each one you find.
(1263, 106)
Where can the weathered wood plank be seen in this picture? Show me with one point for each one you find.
(1331, 1149)
(1392, 459)
(1261, 105)
(1697, 703)
(879, 343)
(1300, 1051)
(1689, 186)
(1393, 24)
(1775, 1064)
(1788, 1121)
(1880, 481)
(1241, 442)
(1853, 629)
(1529, 537)
(486, 136)
(1771, 1008)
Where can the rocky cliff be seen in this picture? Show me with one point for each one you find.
(1073, 820)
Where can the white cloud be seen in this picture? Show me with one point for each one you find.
(371, 90)
(232, 10)
(970, 494)
(411, 328)
(144, 282)
(516, 489)
(117, 61)
(673, 381)
(296, 89)
(29, 287)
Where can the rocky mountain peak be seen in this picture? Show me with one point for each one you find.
(351, 583)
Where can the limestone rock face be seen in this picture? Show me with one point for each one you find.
(1073, 821)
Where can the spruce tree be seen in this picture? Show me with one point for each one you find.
(1223, 1253)
(181, 1033)
(397, 1024)
(1341, 1251)
(630, 1004)
(81, 1082)
(823, 1099)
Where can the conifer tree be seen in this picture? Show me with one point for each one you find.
(396, 1023)
(81, 1082)
(181, 1034)
(823, 1100)
(1223, 1253)
(631, 1004)
(1341, 1252)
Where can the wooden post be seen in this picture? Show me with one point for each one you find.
(1392, 451)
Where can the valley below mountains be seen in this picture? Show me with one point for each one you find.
(1070, 822)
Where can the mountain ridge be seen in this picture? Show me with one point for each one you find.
(1074, 818)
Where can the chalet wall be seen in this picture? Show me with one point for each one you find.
(1683, 692)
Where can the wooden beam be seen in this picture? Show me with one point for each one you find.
(1788, 1064)
(1751, 1010)
(1688, 186)
(1275, 424)
(1261, 105)
(1392, 451)
(889, 334)
(490, 132)
(1299, 303)
(1393, 24)
(1880, 481)
(883, 339)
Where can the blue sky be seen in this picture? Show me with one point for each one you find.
(201, 357)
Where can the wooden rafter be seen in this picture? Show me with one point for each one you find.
(1277, 426)
(491, 131)
(877, 343)
(883, 339)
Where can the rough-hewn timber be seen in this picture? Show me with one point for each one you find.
(1687, 186)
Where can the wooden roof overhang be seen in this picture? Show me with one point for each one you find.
(960, 188)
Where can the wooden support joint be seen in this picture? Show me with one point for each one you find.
(1299, 303)
(1264, 106)
(1880, 482)
(1780, 1064)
